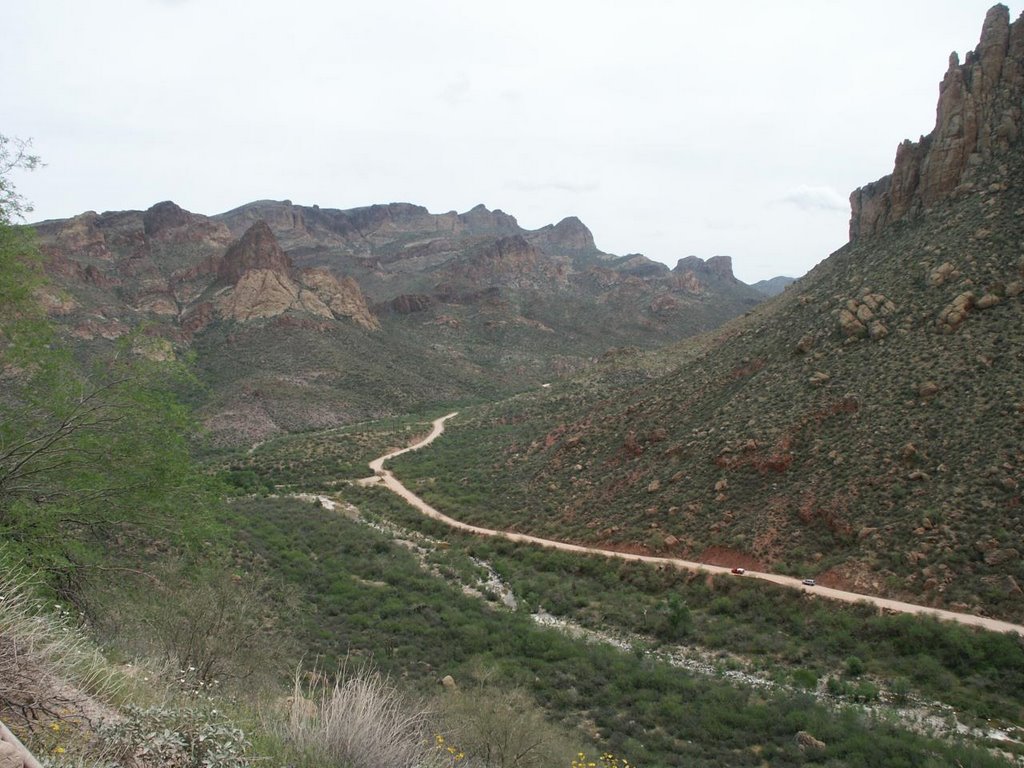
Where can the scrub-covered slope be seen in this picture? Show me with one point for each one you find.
(865, 428)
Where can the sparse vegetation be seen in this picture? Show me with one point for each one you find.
(872, 464)
(864, 429)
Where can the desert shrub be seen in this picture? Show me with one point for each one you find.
(209, 622)
(499, 728)
(854, 667)
(805, 678)
(175, 738)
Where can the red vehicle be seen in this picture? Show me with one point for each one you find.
(739, 571)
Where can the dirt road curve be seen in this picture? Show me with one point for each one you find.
(385, 477)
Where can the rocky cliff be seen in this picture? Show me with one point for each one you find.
(978, 118)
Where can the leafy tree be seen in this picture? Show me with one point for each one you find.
(89, 455)
(14, 154)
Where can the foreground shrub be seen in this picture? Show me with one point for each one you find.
(175, 738)
(500, 728)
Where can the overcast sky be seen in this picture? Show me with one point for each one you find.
(669, 128)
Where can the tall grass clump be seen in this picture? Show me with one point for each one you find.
(49, 670)
(360, 720)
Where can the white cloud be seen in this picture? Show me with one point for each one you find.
(558, 185)
(811, 198)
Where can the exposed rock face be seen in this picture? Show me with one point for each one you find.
(164, 216)
(82, 235)
(979, 115)
(170, 223)
(693, 273)
(570, 234)
(263, 293)
(408, 303)
(806, 742)
(509, 262)
(256, 250)
(265, 284)
(481, 221)
(343, 297)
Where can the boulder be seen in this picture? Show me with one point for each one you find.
(1001, 556)
(850, 325)
(806, 741)
(987, 301)
(941, 274)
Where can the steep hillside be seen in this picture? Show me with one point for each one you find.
(865, 428)
(305, 317)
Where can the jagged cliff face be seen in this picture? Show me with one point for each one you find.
(979, 117)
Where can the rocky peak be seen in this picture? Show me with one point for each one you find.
(638, 265)
(389, 218)
(571, 234)
(163, 216)
(168, 222)
(256, 249)
(281, 215)
(978, 117)
(717, 266)
(480, 221)
(720, 266)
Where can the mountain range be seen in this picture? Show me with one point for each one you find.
(306, 317)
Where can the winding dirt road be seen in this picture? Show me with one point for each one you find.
(387, 478)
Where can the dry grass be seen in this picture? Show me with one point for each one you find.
(48, 670)
(361, 720)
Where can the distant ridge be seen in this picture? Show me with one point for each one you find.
(305, 317)
(773, 286)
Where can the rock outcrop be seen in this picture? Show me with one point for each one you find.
(167, 222)
(480, 221)
(509, 262)
(342, 297)
(265, 284)
(257, 249)
(979, 116)
(570, 234)
(693, 273)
